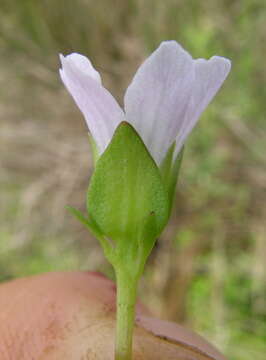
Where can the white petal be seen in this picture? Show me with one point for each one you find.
(83, 64)
(209, 77)
(100, 109)
(157, 99)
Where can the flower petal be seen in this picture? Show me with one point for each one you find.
(209, 77)
(100, 109)
(157, 99)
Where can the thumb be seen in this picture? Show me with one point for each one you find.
(71, 316)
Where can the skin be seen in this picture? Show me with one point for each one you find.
(71, 316)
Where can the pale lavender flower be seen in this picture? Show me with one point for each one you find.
(163, 102)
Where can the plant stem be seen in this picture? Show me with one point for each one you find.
(125, 314)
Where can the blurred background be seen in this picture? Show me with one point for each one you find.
(208, 268)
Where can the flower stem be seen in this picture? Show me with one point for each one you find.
(125, 318)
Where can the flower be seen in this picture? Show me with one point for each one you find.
(163, 102)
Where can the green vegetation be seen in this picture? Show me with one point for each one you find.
(208, 268)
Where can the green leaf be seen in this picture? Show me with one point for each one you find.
(170, 170)
(125, 189)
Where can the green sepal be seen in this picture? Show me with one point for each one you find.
(170, 170)
(94, 148)
(94, 229)
(89, 223)
(146, 241)
(125, 189)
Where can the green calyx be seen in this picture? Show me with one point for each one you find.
(127, 199)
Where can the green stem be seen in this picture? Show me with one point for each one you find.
(125, 315)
